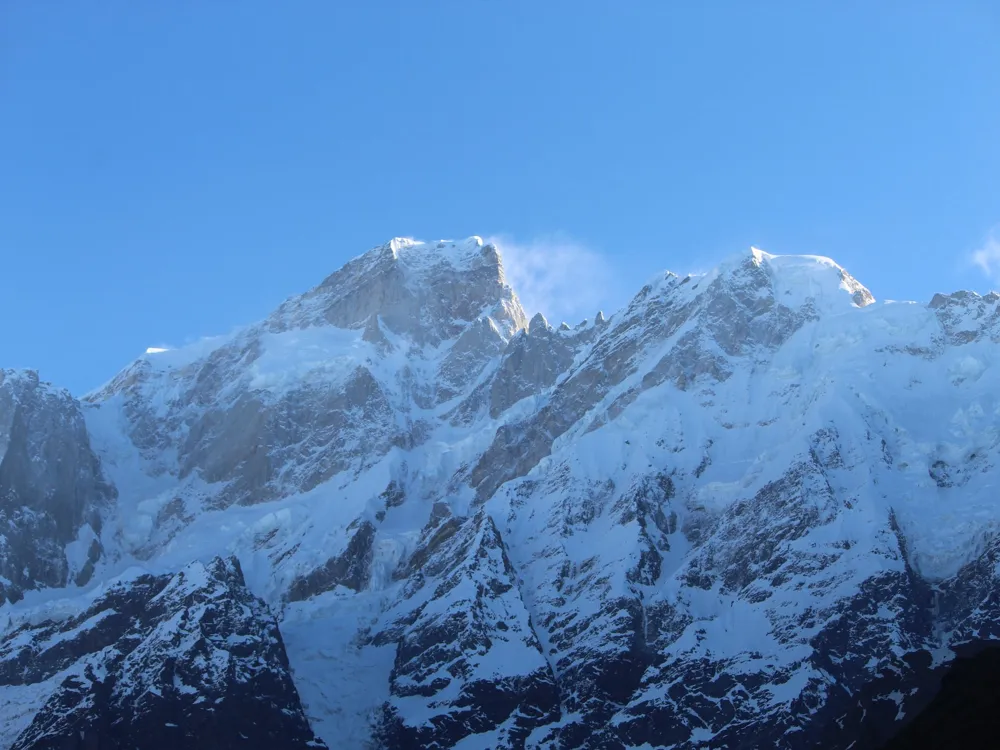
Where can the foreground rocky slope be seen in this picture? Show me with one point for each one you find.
(191, 660)
(754, 508)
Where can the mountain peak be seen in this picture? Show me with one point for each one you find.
(456, 254)
(16, 376)
(800, 279)
(24, 380)
(428, 291)
(963, 298)
(416, 256)
(537, 324)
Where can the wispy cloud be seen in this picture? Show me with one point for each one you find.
(563, 279)
(987, 257)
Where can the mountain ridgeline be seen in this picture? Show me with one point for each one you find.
(754, 508)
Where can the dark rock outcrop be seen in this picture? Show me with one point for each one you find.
(964, 713)
(192, 660)
(52, 489)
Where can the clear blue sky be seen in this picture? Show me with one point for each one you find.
(173, 169)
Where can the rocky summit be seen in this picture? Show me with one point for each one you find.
(754, 508)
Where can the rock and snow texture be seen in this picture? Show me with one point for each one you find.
(191, 660)
(750, 509)
(327, 385)
(52, 489)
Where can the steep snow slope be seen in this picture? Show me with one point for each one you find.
(744, 511)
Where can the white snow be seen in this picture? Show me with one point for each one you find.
(422, 256)
(179, 357)
(335, 675)
(77, 551)
(19, 707)
(798, 278)
(290, 358)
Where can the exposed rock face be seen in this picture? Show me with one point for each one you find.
(465, 648)
(351, 568)
(532, 363)
(752, 509)
(967, 317)
(52, 489)
(190, 660)
(429, 295)
(219, 426)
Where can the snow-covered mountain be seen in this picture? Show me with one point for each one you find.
(754, 508)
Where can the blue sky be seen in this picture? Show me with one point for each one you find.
(172, 170)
